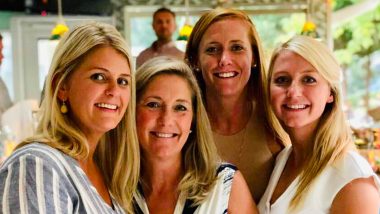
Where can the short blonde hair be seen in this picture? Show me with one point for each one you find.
(117, 154)
(199, 154)
(333, 135)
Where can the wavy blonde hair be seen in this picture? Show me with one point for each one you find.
(117, 154)
(333, 136)
(199, 155)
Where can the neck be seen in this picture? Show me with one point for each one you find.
(302, 143)
(228, 115)
(161, 42)
(161, 176)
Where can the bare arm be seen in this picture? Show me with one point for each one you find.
(358, 196)
(240, 198)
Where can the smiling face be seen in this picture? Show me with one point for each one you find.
(164, 115)
(298, 93)
(225, 57)
(98, 91)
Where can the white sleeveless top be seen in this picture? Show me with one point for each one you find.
(216, 201)
(323, 190)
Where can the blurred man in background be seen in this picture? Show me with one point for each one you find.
(164, 25)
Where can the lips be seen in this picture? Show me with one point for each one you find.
(106, 106)
(226, 74)
(164, 135)
(295, 106)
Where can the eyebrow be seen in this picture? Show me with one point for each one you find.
(106, 70)
(159, 98)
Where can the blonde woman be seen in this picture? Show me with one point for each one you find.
(319, 172)
(180, 169)
(84, 157)
(224, 50)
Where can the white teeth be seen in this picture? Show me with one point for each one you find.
(105, 105)
(296, 106)
(164, 135)
(226, 74)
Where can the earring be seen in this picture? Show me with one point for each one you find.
(255, 65)
(197, 69)
(64, 108)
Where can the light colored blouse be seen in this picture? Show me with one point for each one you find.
(216, 201)
(40, 179)
(322, 192)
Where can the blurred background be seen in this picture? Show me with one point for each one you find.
(350, 27)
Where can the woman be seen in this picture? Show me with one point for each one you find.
(180, 172)
(84, 157)
(229, 66)
(319, 172)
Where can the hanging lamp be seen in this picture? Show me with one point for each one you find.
(61, 27)
(185, 31)
(309, 28)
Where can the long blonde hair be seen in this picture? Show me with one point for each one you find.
(333, 136)
(117, 154)
(199, 153)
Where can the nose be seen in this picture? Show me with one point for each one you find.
(112, 89)
(225, 58)
(294, 90)
(165, 117)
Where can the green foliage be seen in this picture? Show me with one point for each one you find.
(354, 43)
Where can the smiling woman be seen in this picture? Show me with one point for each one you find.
(180, 171)
(84, 158)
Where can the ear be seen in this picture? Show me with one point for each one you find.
(331, 98)
(63, 93)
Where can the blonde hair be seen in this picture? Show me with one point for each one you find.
(117, 154)
(257, 80)
(199, 154)
(333, 136)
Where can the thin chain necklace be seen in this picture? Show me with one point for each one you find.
(244, 132)
(242, 145)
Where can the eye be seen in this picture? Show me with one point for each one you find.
(180, 108)
(281, 80)
(309, 80)
(212, 50)
(237, 48)
(98, 77)
(153, 105)
(122, 81)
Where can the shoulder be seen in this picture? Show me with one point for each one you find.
(34, 156)
(361, 195)
(352, 165)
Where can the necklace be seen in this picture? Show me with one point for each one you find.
(242, 145)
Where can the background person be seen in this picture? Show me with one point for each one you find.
(180, 169)
(319, 172)
(84, 157)
(229, 66)
(164, 26)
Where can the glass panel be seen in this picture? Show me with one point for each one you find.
(46, 49)
(6, 68)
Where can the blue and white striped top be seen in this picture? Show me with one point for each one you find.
(40, 179)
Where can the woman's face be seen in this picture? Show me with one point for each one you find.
(298, 92)
(98, 91)
(225, 57)
(164, 116)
